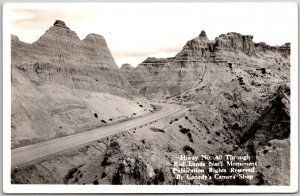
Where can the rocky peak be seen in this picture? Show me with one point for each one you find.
(95, 41)
(93, 37)
(203, 35)
(235, 42)
(285, 49)
(82, 64)
(199, 43)
(60, 23)
(127, 66)
(200, 53)
(58, 37)
(61, 41)
(202, 47)
(14, 38)
(288, 45)
(156, 61)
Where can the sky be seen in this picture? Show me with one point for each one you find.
(135, 31)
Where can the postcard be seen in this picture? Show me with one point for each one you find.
(151, 97)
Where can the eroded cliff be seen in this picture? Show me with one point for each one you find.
(62, 85)
(237, 92)
(203, 63)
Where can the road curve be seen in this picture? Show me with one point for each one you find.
(32, 152)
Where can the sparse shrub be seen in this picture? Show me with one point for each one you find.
(260, 178)
(188, 148)
(103, 174)
(70, 174)
(154, 129)
(184, 130)
(190, 137)
(105, 162)
(95, 115)
(187, 132)
(241, 81)
(263, 71)
(236, 126)
(159, 178)
(218, 133)
(114, 144)
(15, 170)
(234, 105)
(96, 182)
(209, 142)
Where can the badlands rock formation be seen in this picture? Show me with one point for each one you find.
(237, 92)
(63, 85)
(231, 73)
(203, 62)
(60, 57)
(242, 82)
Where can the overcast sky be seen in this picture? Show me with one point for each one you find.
(135, 31)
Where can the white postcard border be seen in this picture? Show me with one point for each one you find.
(12, 188)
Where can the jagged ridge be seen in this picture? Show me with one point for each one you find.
(166, 77)
(60, 56)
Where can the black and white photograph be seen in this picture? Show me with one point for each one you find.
(150, 97)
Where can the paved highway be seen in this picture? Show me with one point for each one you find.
(35, 151)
